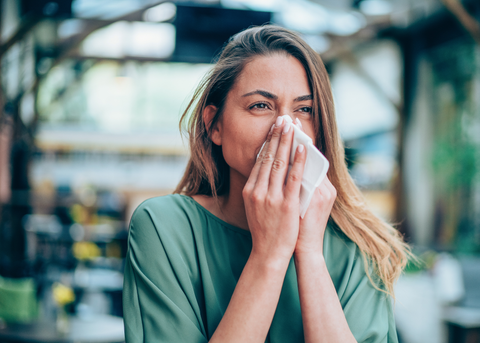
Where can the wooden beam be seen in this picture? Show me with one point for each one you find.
(23, 29)
(95, 24)
(466, 20)
(123, 59)
(349, 57)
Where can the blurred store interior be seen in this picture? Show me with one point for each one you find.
(90, 98)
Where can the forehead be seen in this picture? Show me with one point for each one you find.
(277, 73)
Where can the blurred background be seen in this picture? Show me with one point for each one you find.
(90, 98)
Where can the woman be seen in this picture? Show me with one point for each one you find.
(227, 258)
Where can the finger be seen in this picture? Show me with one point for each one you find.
(252, 179)
(282, 159)
(294, 179)
(269, 156)
(327, 184)
(324, 190)
(331, 187)
(327, 191)
(299, 124)
(261, 154)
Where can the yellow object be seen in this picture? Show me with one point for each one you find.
(62, 294)
(85, 251)
(79, 214)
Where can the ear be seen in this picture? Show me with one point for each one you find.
(215, 132)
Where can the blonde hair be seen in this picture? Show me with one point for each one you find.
(207, 172)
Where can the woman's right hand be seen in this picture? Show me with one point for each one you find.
(271, 204)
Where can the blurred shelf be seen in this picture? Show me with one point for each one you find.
(67, 139)
(98, 328)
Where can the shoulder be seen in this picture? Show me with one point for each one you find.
(167, 228)
(168, 208)
(165, 218)
(160, 205)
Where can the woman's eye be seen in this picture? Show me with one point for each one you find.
(261, 106)
(305, 109)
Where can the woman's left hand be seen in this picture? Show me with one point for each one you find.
(313, 224)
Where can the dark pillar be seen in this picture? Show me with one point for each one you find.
(14, 262)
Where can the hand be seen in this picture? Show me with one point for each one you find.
(314, 223)
(272, 206)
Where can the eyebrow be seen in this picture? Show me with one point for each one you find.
(269, 95)
(304, 97)
(265, 94)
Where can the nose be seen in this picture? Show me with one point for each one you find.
(292, 117)
(284, 112)
(294, 120)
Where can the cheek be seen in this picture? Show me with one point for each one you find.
(242, 144)
(311, 134)
(309, 130)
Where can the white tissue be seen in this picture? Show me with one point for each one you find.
(316, 165)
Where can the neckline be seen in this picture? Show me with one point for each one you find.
(221, 221)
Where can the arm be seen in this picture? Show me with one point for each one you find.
(359, 312)
(322, 313)
(159, 299)
(157, 305)
(272, 213)
(251, 309)
(351, 298)
(323, 317)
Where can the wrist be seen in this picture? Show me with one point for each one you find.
(269, 264)
(311, 256)
(309, 243)
(310, 249)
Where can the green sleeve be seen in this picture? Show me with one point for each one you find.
(157, 301)
(369, 312)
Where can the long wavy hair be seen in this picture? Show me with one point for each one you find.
(207, 173)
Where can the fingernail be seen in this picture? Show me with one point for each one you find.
(271, 129)
(286, 128)
(279, 121)
(300, 147)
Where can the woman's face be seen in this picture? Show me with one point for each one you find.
(268, 87)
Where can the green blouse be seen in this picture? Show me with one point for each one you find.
(183, 264)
